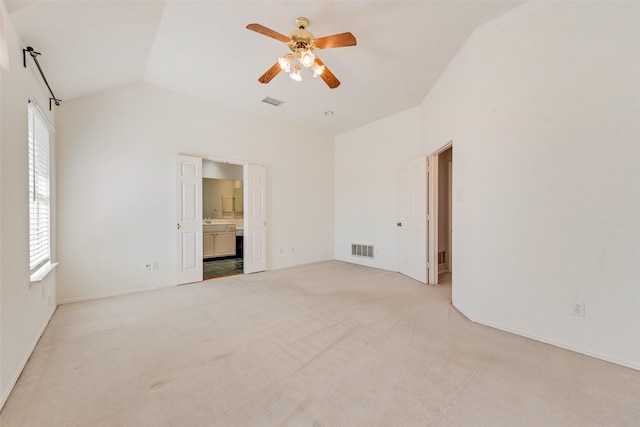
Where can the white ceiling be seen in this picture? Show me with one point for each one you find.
(202, 48)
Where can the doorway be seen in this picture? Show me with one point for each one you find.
(441, 218)
(193, 220)
(223, 219)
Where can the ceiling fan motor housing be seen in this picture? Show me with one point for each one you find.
(302, 23)
(301, 38)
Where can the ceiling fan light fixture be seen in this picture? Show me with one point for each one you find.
(295, 75)
(285, 62)
(307, 58)
(317, 69)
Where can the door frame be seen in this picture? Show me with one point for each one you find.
(432, 241)
(245, 166)
(247, 202)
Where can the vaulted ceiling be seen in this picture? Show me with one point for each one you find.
(202, 48)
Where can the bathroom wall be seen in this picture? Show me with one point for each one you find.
(213, 206)
(220, 170)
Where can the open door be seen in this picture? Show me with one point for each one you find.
(413, 219)
(189, 218)
(255, 219)
(440, 210)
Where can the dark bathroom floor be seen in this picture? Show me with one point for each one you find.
(222, 267)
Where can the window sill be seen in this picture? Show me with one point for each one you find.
(43, 272)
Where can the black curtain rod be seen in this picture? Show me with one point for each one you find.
(34, 55)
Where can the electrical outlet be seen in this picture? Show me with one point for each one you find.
(154, 266)
(577, 308)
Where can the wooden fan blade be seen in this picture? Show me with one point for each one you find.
(270, 74)
(268, 32)
(328, 76)
(336, 40)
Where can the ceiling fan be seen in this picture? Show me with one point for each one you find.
(302, 44)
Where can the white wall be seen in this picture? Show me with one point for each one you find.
(367, 203)
(116, 191)
(25, 308)
(543, 107)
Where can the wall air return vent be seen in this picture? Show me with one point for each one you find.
(272, 101)
(365, 251)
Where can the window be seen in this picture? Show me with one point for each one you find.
(39, 190)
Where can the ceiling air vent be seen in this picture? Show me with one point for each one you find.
(272, 101)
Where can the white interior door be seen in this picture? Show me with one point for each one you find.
(189, 218)
(450, 218)
(432, 208)
(255, 219)
(413, 219)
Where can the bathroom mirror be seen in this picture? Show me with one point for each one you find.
(222, 198)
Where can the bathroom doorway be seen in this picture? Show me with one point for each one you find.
(222, 219)
(190, 225)
(441, 224)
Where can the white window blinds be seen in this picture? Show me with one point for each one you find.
(39, 190)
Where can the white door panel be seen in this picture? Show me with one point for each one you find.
(189, 250)
(189, 221)
(413, 219)
(256, 248)
(255, 235)
(188, 202)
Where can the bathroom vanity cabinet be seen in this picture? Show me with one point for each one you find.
(218, 240)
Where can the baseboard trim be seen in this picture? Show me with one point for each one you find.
(553, 343)
(14, 380)
(114, 294)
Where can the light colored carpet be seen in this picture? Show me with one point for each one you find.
(325, 344)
